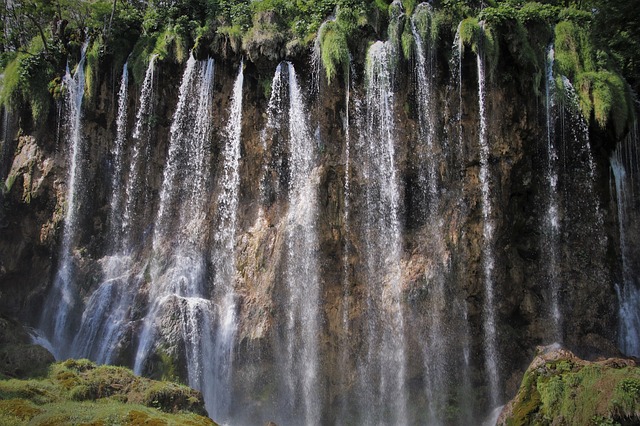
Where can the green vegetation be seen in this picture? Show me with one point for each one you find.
(79, 392)
(602, 92)
(571, 391)
(40, 36)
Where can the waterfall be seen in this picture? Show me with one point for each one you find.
(382, 365)
(104, 317)
(425, 76)
(488, 261)
(347, 249)
(117, 180)
(178, 296)
(62, 298)
(624, 166)
(272, 141)
(224, 261)
(303, 288)
(435, 344)
(552, 219)
(140, 152)
(579, 131)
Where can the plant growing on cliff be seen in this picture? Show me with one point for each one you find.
(602, 92)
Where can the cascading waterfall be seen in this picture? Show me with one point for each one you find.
(303, 287)
(425, 76)
(382, 366)
(579, 131)
(178, 267)
(224, 261)
(117, 180)
(488, 261)
(624, 166)
(435, 345)
(139, 156)
(271, 139)
(552, 219)
(104, 317)
(62, 299)
(346, 268)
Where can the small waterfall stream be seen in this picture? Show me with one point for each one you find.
(224, 261)
(624, 167)
(382, 367)
(303, 287)
(62, 299)
(551, 244)
(139, 158)
(103, 319)
(488, 261)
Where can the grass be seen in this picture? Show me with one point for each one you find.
(80, 392)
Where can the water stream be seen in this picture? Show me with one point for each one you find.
(63, 298)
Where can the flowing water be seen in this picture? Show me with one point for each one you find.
(63, 298)
(179, 299)
(104, 319)
(303, 288)
(551, 244)
(624, 167)
(135, 194)
(488, 260)
(382, 365)
(224, 261)
(118, 152)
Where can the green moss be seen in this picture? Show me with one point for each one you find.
(407, 41)
(577, 394)
(601, 91)
(334, 49)
(79, 392)
(168, 367)
(26, 79)
(91, 70)
(470, 33)
(409, 6)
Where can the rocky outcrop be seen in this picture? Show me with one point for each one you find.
(559, 388)
(19, 358)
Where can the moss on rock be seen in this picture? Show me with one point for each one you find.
(561, 389)
(80, 392)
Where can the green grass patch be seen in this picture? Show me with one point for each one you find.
(80, 392)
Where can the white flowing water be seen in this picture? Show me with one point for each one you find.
(62, 298)
(624, 166)
(488, 261)
(140, 151)
(224, 262)
(118, 152)
(425, 82)
(579, 130)
(303, 287)
(103, 319)
(435, 341)
(178, 268)
(551, 243)
(346, 266)
(271, 139)
(382, 366)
